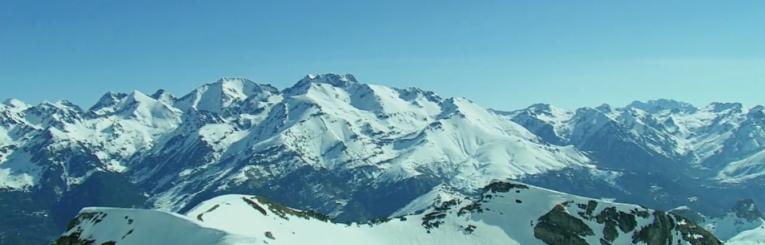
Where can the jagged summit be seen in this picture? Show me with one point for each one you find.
(15, 103)
(222, 94)
(542, 107)
(61, 104)
(725, 106)
(164, 96)
(334, 80)
(107, 100)
(659, 105)
(604, 108)
(330, 78)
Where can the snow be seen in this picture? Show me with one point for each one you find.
(748, 237)
(218, 96)
(743, 170)
(439, 194)
(735, 230)
(232, 219)
(18, 172)
(334, 122)
(15, 105)
(5, 139)
(469, 135)
(221, 135)
(152, 227)
(114, 130)
(702, 137)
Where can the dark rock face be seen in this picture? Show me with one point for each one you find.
(746, 209)
(433, 219)
(501, 186)
(613, 218)
(657, 233)
(657, 189)
(690, 214)
(557, 227)
(660, 232)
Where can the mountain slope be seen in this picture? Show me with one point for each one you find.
(704, 158)
(501, 213)
(359, 151)
(330, 143)
(329, 138)
(743, 224)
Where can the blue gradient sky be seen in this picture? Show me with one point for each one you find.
(501, 54)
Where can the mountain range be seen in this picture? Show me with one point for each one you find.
(359, 152)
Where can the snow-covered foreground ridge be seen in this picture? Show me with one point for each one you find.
(501, 213)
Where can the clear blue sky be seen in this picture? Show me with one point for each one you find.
(501, 54)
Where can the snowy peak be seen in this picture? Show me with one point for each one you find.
(61, 105)
(663, 106)
(147, 108)
(335, 81)
(226, 93)
(14, 104)
(164, 96)
(107, 102)
(329, 78)
(545, 109)
(334, 92)
(135, 105)
(47, 114)
(725, 106)
(757, 112)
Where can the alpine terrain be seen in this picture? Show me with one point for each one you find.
(236, 161)
(501, 213)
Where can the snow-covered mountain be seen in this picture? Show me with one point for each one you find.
(357, 151)
(330, 143)
(705, 158)
(723, 139)
(501, 213)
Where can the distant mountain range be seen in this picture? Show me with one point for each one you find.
(359, 152)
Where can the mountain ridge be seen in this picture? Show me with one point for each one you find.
(503, 213)
(360, 151)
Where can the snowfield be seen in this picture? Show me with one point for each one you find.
(505, 213)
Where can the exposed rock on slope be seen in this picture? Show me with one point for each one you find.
(501, 213)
